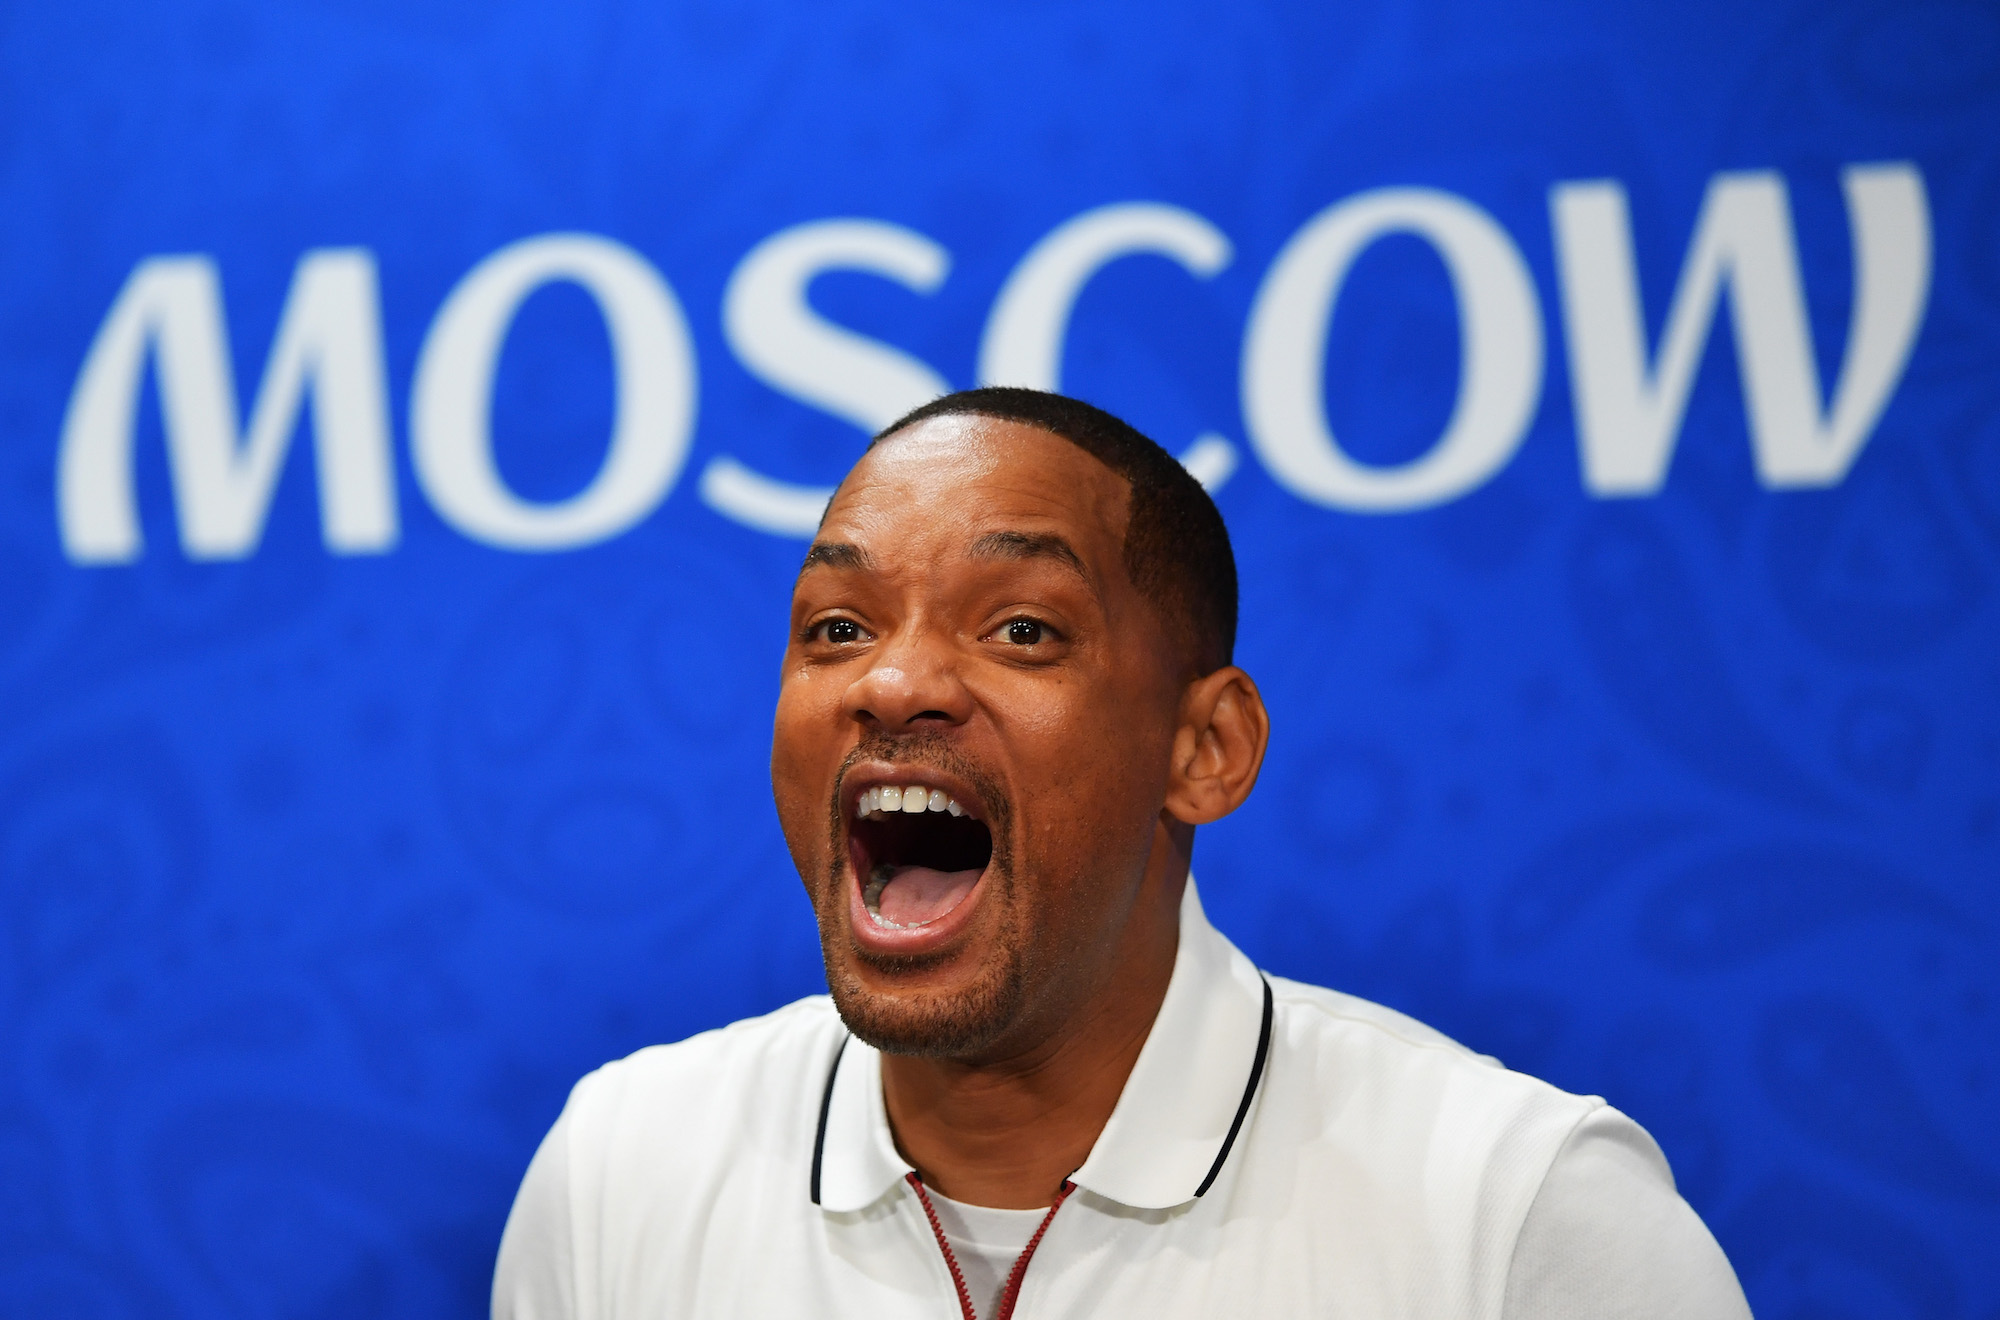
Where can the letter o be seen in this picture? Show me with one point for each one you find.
(1284, 353)
(451, 435)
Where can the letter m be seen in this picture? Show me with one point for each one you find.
(1629, 411)
(329, 341)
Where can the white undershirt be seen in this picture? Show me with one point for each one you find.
(986, 1242)
(1606, 1238)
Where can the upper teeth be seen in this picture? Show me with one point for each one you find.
(913, 798)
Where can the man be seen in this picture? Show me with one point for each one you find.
(1043, 1083)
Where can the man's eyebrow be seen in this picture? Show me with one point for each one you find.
(836, 554)
(1028, 545)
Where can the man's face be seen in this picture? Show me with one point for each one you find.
(973, 735)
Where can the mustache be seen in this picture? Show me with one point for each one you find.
(921, 749)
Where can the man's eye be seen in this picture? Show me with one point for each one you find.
(841, 632)
(1025, 632)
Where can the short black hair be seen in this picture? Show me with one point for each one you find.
(1176, 547)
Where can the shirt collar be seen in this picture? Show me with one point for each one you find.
(1174, 1122)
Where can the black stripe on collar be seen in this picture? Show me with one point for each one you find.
(1221, 1156)
(826, 1104)
(1249, 1092)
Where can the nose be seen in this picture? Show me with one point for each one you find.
(912, 680)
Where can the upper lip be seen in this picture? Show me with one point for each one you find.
(871, 774)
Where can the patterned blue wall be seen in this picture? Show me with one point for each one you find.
(323, 875)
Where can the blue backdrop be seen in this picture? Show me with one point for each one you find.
(407, 412)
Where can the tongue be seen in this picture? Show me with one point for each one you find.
(916, 895)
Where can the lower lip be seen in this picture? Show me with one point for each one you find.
(904, 941)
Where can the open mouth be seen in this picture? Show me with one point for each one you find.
(917, 854)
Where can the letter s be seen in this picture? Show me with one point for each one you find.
(774, 331)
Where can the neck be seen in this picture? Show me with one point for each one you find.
(1006, 1132)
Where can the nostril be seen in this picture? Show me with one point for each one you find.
(931, 715)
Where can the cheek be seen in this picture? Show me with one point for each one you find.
(803, 755)
(1095, 732)
(1097, 777)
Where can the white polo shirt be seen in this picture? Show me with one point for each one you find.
(1279, 1150)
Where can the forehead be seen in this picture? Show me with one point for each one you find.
(943, 483)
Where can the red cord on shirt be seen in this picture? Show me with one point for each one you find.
(1012, 1292)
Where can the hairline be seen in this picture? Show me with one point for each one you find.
(1178, 620)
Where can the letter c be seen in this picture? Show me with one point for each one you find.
(1023, 343)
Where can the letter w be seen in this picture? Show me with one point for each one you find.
(329, 340)
(1628, 415)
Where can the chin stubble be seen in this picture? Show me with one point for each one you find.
(952, 1024)
(942, 1025)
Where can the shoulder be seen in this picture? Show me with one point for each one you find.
(1334, 1011)
(1395, 1050)
(1414, 1095)
(1433, 1162)
(651, 1148)
(704, 1098)
(1418, 1157)
(1608, 1234)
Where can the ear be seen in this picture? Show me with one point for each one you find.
(1218, 747)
